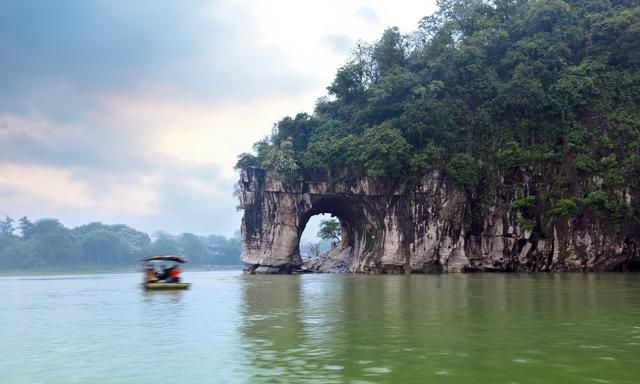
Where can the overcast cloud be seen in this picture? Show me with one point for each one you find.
(134, 111)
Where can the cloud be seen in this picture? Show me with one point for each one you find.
(369, 14)
(177, 197)
(134, 111)
(87, 143)
(340, 43)
(68, 50)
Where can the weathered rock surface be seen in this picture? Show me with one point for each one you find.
(428, 225)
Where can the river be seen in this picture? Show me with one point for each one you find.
(234, 328)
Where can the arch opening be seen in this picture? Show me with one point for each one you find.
(340, 251)
(312, 244)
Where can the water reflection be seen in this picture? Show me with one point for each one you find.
(480, 328)
(231, 328)
(162, 297)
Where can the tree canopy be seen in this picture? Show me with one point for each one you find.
(544, 88)
(330, 230)
(46, 243)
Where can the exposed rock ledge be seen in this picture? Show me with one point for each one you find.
(425, 226)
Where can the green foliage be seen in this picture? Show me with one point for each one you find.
(525, 224)
(99, 247)
(384, 151)
(464, 170)
(428, 159)
(349, 85)
(564, 207)
(544, 90)
(606, 207)
(389, 52)
(246, 160)
(6, 226)
(330, 230)
(585, 163)
(523, 203)
(513, 156)
(281, 159)
(47, 243)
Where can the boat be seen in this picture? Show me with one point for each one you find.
(152, 278)
(161, 286)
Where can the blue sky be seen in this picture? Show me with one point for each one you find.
(134, 111)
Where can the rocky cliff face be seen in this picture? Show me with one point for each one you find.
(423, 226)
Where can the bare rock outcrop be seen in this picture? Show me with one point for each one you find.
(423, 226)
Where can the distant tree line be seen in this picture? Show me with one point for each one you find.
(47, 243)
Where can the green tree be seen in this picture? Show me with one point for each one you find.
(6, 226)
(53, 243)
(195, 248)
(385, 151)
(330, 230)
(464, 169)
(390, 51)
(101, 247)
(25, 226)
(282, 160)
(164, 244)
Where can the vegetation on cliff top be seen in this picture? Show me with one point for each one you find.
(486, 88)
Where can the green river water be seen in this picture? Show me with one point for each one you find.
(233, 328)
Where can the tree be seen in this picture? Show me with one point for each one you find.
(464, 169)
(349, 84)
(6, 226)
(330, 230)
(390, 51)
(54, 243)
(385, 151)
(101, 247)
(164, 244)
(545, 91)
(282, 160)
(225, 251)
(26, 227)
(195, 248)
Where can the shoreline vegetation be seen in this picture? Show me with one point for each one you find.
(46, 247)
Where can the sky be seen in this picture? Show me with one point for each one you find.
(134, 112)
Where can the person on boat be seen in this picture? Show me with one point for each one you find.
(150, 275)
(174, 274)
(164, 275)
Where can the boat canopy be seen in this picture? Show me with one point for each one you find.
(176, 259)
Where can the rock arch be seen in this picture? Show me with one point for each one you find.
(427, 225)
(275, 215)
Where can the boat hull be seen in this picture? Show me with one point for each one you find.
(165, 286)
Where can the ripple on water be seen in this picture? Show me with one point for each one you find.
(377, 370)
(522, 361)
(333, 367)
(316, 352)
